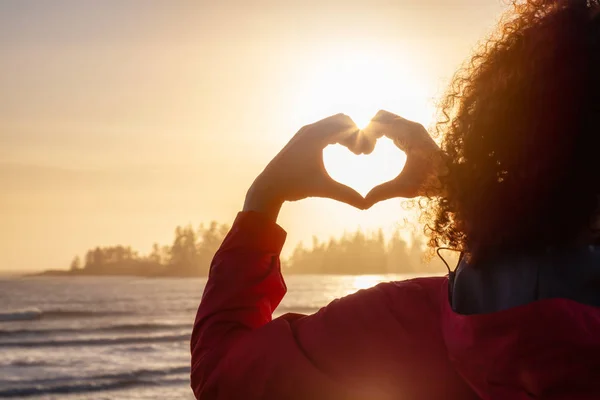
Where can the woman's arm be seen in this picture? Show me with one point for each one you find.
(237, 351)
(378, 343)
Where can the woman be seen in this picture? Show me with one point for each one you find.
(514, 188)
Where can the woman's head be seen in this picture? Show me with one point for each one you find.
(521, 128)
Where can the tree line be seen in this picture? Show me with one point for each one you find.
(192, 250)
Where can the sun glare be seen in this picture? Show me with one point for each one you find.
(366, 281)
(365, 171)
(359, 80)
(361, 114)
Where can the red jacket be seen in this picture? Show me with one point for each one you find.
(397, 340)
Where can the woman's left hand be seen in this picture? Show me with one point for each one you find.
(425, 161)
(298, 171)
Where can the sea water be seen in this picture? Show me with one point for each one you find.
(119, 338)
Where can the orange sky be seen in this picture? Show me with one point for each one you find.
(120, 120)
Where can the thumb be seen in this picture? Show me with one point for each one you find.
(337, 191)
(389, 190)
(383, 192)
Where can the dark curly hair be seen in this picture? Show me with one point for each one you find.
(521, 128)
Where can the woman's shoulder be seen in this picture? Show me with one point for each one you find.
(427, 286)
(421, 294)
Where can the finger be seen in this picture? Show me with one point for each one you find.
(334, 126)
(403, 132)
(332, 189)
(338, 128)
(390, 190)
(381, 122)
(366, 143)
(380, 193)
(358, 142)
(385, 117)
(351, 140)
(373, 129)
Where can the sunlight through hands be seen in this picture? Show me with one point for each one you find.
(364, 172)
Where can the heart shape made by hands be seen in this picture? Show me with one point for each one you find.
(364, 172)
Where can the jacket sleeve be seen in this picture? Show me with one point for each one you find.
(357, 347)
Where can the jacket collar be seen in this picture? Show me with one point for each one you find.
(517, 280)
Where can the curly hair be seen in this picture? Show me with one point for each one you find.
(521, 128)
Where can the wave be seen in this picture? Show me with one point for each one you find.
(96, 341)
(280, 310)
(36, 314)
(95, 383)
(29, 363)
(21, 315)
(141, 327)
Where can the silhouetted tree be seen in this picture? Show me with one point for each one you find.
(209, 240)
(76, 264)
(192, 251)
(89, 258)
(184, 255)
(156, 254)
(98, 257)
(360, 253)
(397, 258)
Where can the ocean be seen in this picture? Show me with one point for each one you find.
(119, 338)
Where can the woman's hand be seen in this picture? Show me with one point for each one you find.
(424, 159)
(298, 171)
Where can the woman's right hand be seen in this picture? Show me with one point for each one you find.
(298, 171)
(424, 159)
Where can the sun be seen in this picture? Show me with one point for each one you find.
(361, 114)
(359, 81)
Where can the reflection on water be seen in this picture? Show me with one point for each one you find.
(367, 281)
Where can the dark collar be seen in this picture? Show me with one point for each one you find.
(517, 280)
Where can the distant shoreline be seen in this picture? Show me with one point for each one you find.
(84, 273)
(71, 274)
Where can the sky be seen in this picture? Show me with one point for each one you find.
(121, 119)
